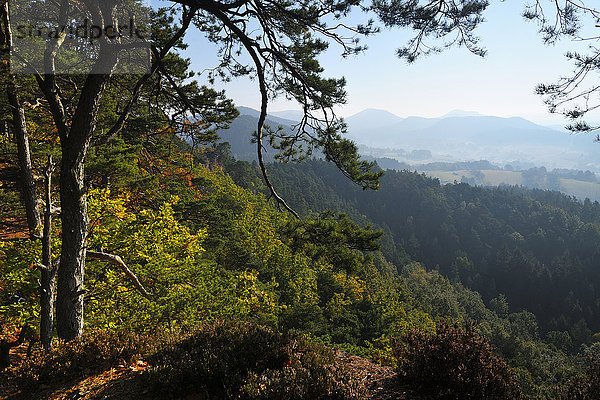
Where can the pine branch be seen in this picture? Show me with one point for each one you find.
(118, 261)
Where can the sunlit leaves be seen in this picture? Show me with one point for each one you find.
(168, 259)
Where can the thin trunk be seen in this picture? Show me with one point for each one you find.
(28, 191)
(48, 283)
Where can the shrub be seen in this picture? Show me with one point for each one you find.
(454, 363)
(218, 360)
(310, 373)
(215, 359)
(228, 359)
(94, 351)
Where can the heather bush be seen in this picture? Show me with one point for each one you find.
(310, 373)
(93, 352)
(215, 359)
(229, 359)
(454, 363)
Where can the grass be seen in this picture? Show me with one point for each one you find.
(580, 189)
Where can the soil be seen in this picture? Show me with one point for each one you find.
(380, 381)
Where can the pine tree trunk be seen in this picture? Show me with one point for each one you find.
(73, 203)
(69, 302)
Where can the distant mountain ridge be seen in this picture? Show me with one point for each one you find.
(458, 136)
(420, 131)
(372, 119)
(273, 117)
(431, 133)
(466, 136)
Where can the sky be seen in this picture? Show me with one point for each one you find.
(501, 84)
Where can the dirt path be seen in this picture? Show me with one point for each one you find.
(379, 380)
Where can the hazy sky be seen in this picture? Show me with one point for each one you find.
(500, 84)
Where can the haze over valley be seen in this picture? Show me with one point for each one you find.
(461, 146)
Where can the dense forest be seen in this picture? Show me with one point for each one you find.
(139, 259)
(538, 248)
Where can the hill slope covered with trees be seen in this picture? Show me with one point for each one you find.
(538, 248)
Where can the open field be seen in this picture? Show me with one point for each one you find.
(580, 189)
(572, 187)
(483, 177)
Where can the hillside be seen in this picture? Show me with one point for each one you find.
(211, 251)
(526, 244)
(146, 253)
(227, 286)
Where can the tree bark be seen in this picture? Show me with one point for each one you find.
(73, 202)
(48, 281)
(69, 305)
(28, 191)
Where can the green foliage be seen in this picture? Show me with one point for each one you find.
(167, 258)
(584, 386)
(10, 205)
(18, 289)
(454, 363)
(333, 239)
(436, 23)
(344, 154)
(472, 235)
(114, 164)
(207, 248)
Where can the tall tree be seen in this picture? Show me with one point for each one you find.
(76, 106)
(28, 189)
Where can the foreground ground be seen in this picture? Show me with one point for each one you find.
(124, 382)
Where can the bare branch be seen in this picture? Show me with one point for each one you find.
(251, 48)
(118, 261)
